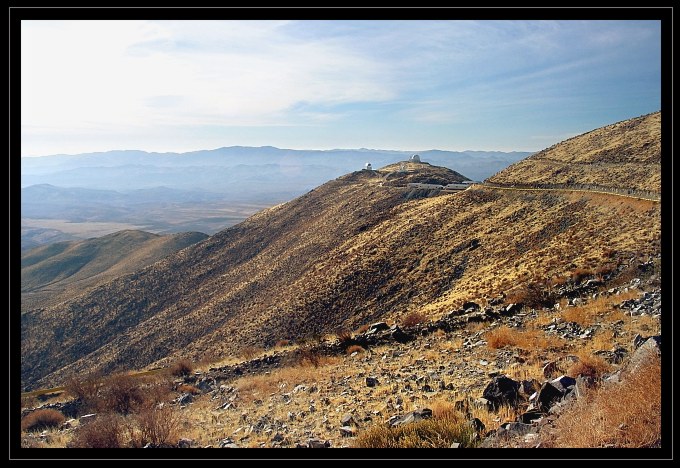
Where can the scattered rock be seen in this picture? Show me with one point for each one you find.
(477, 425)
(347, 431)
(86, 418)
(455, 445)
(413, 416)
(184, 443)
(185, 398)
(318, 443)
(227, 443)
(376, 327)
(371, 381)
(502, 390)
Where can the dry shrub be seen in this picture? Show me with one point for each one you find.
(182, 368)
(157, 426)
(529, 340)
(443, 409)
(534, 294)
(626, 414)
(250, 352)
(362, 329)
(185, 388)
(589, 366)
(39, 420)
(355, 348)
(344, 337)
(106, 431)
(310, 357)
(85, 387)
(28, 401)
(428, 433)
(412, 319)
(122, 394)
(579, 274)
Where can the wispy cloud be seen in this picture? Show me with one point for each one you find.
(352, 79)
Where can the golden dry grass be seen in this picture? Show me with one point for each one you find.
(528, 340)
(617, 415)
(437, 432)
(253, 387)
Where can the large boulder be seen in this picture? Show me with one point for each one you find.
(502, 390)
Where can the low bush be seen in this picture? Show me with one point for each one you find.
(355, 348)
(413, 318)
(42, 419)
(621, 415)
(106, 431)
(429, 433)
(182, 368)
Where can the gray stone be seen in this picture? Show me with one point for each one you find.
(502, 390)
(277, 437)
(347, 431)
(184, 443)
(650, 349)
(413, 416)
(86, 418)
(348, 420)
(371, 381)
(455, 445)
(530, 416)
(518, 428)
(318, 443)
(564, 384)
(547, 396)
(376, 327)
(185, 398)
(227, 443)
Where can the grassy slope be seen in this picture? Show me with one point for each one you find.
(59, 271)
(348, 252)
(623, 155)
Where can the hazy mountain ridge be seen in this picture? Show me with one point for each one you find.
(210, 169)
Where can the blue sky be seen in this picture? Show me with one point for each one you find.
(405, 85)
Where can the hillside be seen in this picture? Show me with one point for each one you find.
(349, 252)
(622, 155)
(56, 272)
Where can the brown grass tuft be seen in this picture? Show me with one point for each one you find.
(283, 343)
(39, 420)
(186, 388)
(182, 368)
(529, 340)
(589, 366)
(354, 348)
(362, 329)
(413, 318)
(106, 431)
(626, 415)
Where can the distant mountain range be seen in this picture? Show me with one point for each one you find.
(241, 172)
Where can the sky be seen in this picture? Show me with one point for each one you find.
(180, 86)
